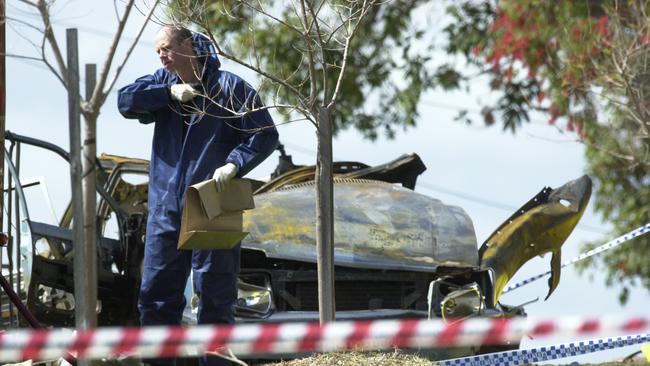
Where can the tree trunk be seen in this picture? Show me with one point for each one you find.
(88, 183)
(325, 218)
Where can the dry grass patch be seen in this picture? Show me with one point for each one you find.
(395, 358)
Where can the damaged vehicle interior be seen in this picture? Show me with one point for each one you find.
(413, 255)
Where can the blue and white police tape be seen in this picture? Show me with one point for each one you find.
(609, 245)
(546, 353)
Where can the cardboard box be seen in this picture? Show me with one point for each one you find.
(213, 220)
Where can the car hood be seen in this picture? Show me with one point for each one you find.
(377, 225)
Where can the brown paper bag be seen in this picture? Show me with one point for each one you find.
(213, 220)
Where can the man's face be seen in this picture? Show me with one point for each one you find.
(176, 57)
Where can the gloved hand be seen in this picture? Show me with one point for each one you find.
(183, 92)
(223, 175)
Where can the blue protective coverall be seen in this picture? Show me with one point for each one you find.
(190, 141)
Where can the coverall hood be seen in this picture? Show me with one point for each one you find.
(205, 50)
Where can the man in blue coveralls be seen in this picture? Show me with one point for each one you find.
(208, 123)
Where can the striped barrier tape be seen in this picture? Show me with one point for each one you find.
(609, 245)
(547, 353)
(291, 338)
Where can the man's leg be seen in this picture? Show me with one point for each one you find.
(215, 282)
(165, 273)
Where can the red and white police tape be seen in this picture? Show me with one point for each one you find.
(290, 338)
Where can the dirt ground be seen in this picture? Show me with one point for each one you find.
(398, 358)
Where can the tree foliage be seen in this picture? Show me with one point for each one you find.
(584, 64)
(387, 74)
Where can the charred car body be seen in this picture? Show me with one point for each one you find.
(398, 253)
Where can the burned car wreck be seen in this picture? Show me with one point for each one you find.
(398, 253)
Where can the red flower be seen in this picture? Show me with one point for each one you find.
(576, 32)
(601, 26)
(595, 50)
(580, 129)
(570, 126)
(555, 113)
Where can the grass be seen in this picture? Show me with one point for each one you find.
(399, 358)
(395, 358)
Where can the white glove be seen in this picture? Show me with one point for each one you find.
(183, 92)
(223, 175)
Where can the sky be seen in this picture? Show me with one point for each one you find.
(487, 172)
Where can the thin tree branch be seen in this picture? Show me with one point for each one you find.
(117, 13)
(48, 33)
(629, 158)
(25, 37)
(280, 21)
(22, 22)
(345, 54)
(223, 53)
(22, 57)
(28, 3)
(91, 106)
(321, 47)
(51, 67)
(120, 67)
(310, 55)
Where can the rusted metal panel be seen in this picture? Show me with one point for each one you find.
(542, 225)
(377, 225)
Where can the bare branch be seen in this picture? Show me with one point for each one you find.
(238, 114)
(120, 67)
(30, 3)
(200, 113)
(117, 12)
(43, 9)
(154, 18)
(51, 67)
(626, 157)
(310, 55)
(223, 53)
(22, 22)
(280, 21)
(348, 41)
(25, 37)
(22, 57)
(321, 46)
(91, 106)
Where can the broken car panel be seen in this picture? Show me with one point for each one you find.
(542, 225)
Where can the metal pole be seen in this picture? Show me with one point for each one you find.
(325, 219)
(9, 207)
(3, 89)
(15, 299)
(82, 311)
(90, 199)
(17, 231)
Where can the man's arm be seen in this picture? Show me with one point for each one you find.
(258, 135)
(142, 98)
